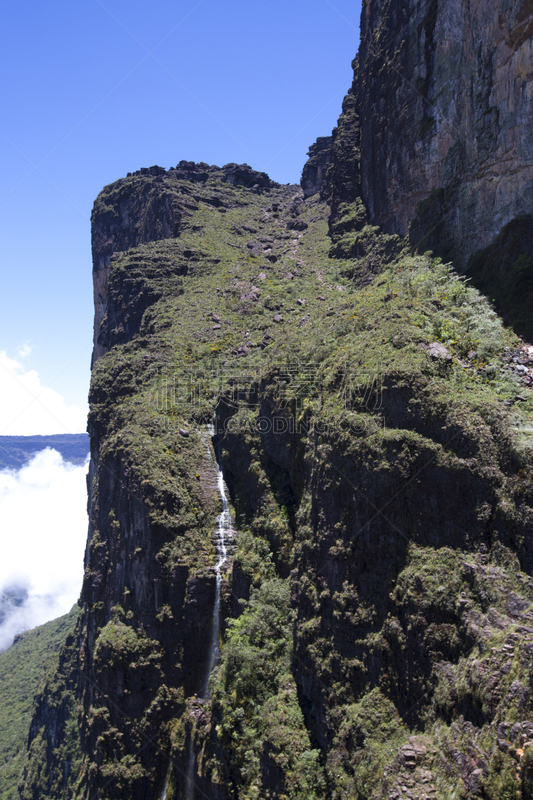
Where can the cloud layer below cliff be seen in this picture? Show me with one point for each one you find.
(43, 521)
(27, 407)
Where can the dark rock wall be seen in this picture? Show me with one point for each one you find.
(385, 548)
(315, 168)
(148, 206)
(133, 211)
(443, 93)
(384, 544)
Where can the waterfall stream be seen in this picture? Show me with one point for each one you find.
(167, 781)
(223, 538)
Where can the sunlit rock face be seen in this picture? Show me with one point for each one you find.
(444, 96)
(148, 205)
(373, 421)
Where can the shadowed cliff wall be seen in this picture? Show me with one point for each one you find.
(443, 96)
(384, 552)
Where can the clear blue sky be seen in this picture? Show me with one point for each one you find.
(92, 90)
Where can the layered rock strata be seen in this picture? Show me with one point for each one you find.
(443, 94)
(374, 419)
(315, 169)
(377, 610)
(149, 205)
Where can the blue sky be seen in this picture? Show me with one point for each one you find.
(93, 90)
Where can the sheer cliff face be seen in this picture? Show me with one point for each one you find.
(382, 491)
(374, 420)
(148, 206)
(444, 95)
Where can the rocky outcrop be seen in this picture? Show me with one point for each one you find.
(443, 95)
(144, 207)
(149, 206)
(382, 493)
(374, 420)
(314, 172)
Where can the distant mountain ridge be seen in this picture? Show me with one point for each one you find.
(16, 451)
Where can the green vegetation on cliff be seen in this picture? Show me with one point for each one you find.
(23, 668)
(379, 467)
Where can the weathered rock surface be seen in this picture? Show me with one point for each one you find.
(374, 419)
(385, 521)
(149, 206)
(443, 96)
(315, 168)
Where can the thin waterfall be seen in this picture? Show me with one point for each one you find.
(191, 763)
(223, 538)
(167, 781)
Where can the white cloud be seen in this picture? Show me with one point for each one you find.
(24, 350)
(28, 408)
(43, 529)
